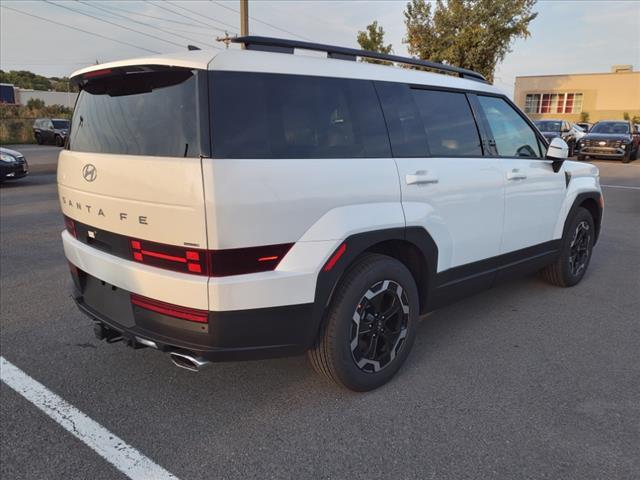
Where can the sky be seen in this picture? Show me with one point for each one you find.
(568, 36)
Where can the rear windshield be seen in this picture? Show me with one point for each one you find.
(549, 126)
(138, 113)
(60, 123)
(265, 115)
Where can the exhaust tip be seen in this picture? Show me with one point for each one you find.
(188, 362)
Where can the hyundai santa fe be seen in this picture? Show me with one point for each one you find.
(255, 203)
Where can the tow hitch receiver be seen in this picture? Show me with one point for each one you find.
(103, 332)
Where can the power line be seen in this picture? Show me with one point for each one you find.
(115, 24)
(163, 7)
(178, 22)
(79, 29)
(263, 22)
(201, 15)
(144, 24)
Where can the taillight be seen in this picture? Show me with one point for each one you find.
(175, 311)
(70, 224)
(180, 259)
(213, 263)
(238, 261)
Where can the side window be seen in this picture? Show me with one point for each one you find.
(513, 136)
(448, 122)
(406, 130)
(262, 115)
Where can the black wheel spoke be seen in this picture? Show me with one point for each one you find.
(383, 316)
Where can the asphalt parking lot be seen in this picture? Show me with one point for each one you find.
(526, 381)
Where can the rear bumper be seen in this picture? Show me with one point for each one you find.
(230, 335)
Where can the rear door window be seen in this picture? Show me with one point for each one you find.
(138, 113)
(449, 124)
(406, 130)
(263, 115)
(513, 136)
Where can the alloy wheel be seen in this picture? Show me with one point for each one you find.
(379, 326)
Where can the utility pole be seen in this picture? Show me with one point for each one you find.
(244, 17)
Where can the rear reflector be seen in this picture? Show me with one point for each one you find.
(335, 257)
(175, 311)
(71, 226)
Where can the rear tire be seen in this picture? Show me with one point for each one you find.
(59, 141)
(370, 325)
(575, 253)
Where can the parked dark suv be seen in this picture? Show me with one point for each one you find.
(53, 130)
(558, 128)
(610, 139)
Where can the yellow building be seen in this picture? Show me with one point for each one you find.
(604, 96)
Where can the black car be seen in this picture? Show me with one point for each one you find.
(53, 130)
(610, 139)
(558, 128)
(12, 165)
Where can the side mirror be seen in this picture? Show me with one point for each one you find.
(558, 152)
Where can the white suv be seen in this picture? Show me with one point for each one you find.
(262, 202)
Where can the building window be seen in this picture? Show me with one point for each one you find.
(553, 103)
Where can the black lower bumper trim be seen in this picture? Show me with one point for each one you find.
(231, 335)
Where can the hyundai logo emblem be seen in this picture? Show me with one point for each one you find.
(89, 172)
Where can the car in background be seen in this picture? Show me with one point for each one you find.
(586, 126)
(12, 165)
(578, 131)
(559, 129)
(54, 130)
(614, 139)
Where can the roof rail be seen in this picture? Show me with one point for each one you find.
(281, 45)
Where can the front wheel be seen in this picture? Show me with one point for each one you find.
(575, 254)
(627, 157)
(370, 326)
(38, 139)
(59, 141)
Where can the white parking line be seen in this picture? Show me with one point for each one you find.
(113, 449)
(620, 186)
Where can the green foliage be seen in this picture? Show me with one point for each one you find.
(584, 117)
(626, 116)
(25, 79)
(30, 80)
(635, 119)
(473, 34)
(372, 39)
(35, 104)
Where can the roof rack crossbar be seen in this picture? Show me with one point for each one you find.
(253, 42)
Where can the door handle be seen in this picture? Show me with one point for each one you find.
(516, 174)
(421, 177)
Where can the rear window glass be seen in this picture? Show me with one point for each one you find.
(406, 130)
(144, 113)
(256, 115)
(448, 121)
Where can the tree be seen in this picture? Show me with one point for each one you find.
(372, 39)
(626, 116)
(584, 117)
(473, 34)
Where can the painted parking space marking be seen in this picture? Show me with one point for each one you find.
(621, 186)
(114, 450)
